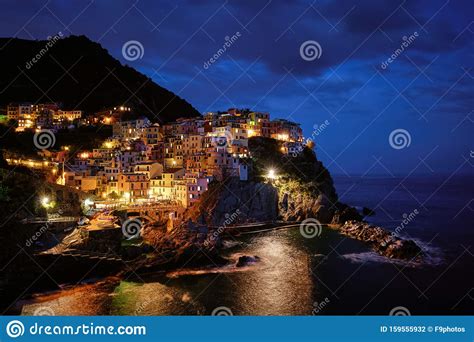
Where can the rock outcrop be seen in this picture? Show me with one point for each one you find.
(235, 202)
(303, 188)
(246, 260)
(382, 241)
(345, 213)
(367, 211)
(298, 201)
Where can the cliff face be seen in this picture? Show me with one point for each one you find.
(236, 202)
(298, 201)
(303, 189)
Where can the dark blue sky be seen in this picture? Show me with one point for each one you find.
(426, 90)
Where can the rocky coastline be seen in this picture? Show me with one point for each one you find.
(382, 241)
(303, 189)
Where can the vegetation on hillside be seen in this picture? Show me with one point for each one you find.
(302, 171)
(82, 138)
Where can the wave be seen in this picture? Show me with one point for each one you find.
(365, 257)
(432, 256)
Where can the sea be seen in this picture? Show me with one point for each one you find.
(326, 274)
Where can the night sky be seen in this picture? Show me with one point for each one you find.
(426, 90)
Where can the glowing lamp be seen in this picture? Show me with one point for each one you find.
(45, 201)
(271, 174)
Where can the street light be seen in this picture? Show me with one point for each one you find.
(126, 196)
(45, 201)
(271, 174)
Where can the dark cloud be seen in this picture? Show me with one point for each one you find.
(343, 85)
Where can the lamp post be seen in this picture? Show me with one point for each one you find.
(271, 175)
(45, 202)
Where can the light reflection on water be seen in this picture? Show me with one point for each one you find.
(296, 272)
(283, 285)
(294, 275)
(279, 284)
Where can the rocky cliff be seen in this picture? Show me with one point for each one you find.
(235, 202)
(303, 188)
(382, 241)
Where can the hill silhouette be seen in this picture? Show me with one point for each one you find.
(81, 74)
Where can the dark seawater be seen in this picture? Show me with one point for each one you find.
(327, 275)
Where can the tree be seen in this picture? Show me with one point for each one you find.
(113, 195)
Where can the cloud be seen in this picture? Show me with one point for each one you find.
(263, 68)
